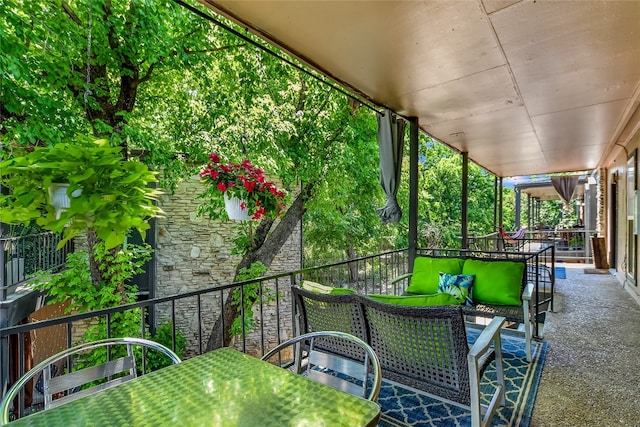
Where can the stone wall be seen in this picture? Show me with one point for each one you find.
(194, 253)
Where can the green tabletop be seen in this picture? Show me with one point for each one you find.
(221, 388)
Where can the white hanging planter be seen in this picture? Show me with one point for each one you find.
(59, 198)
(234, 208)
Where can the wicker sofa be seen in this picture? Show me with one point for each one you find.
(422, 347)
(500, 289)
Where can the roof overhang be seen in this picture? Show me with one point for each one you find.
(525, 87)
(543, 189)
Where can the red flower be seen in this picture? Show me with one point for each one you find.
(259, 213)
(246, 182)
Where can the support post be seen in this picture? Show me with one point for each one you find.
(495, 203)
(465, 200)
(413, 190)
(530, 221)
(500, 204)
(518, 209)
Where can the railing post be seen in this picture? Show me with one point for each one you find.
(3, 275)
(500, 204)
(518, 209)
(4, 341)
(553, 273)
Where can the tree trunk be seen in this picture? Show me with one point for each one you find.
(353, 266)
(92, 240)
(266, 248)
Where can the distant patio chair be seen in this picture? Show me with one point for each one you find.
(64, 388)
(359, 374)
(512, 241)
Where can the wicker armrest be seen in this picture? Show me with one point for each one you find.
(401, 277)
(528, 292)
(527, 295)
(488, 335)
(479, 357)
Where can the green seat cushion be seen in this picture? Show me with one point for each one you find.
(342, 291)
(458, 285)
(496, 282)
(426, 273)
(324, 289)
(417, 300)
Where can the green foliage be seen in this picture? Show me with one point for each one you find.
(246, 296)
(341, 220)
(108, 194)
(163, 335)
(243, 240)
(440, 197)
(73, 285)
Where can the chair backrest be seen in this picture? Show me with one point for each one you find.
(120, 366)
(358, 377)
(424, 347)
(324, 312)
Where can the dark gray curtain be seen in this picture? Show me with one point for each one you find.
(565, 187)
(390, 146)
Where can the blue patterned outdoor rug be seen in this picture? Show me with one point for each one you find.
(402, 406)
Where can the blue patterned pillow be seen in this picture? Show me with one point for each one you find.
(458, 285)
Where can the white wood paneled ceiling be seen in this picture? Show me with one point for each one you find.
(525, 87)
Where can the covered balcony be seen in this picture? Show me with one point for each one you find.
(517, 87)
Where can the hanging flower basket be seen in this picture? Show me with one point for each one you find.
(255, 197)
(236, 208)
(59, 197)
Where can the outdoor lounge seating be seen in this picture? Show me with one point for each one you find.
(423, 347)
(120, 367)
(499, 287)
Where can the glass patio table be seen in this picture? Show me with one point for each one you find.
(221, 388)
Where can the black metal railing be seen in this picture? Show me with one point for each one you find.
(570, 244)
(21, 257)
(193, 314)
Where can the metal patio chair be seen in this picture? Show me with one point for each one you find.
(66, 387)
(358, 374)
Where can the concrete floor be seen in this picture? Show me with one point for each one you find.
(592, 373)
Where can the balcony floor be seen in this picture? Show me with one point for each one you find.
(591, 373)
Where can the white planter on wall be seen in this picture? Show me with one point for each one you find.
(59, 198)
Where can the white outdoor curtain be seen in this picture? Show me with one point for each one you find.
(390, 146)
(565, 187)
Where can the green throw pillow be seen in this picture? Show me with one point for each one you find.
(458, 285)
(417, 300)
(324, 289)
(496, 282)
(426, 273)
